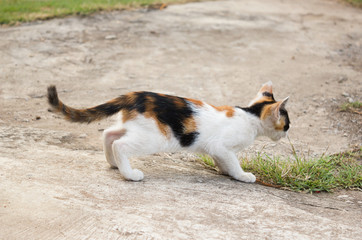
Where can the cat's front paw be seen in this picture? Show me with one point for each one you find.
(247, 177)
(136, 175)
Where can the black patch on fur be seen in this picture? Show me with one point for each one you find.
(256, 109)
(167, 112)
(268, 94)
(165, 108)
(108, 109)
(64, 109)
(139, 105)
(284, 113)
(188, 139)
(53, 96)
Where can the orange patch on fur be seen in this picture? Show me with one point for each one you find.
(229, 110)
(280, 125)
(263, 99)
(149, 113)
(189, 125)
(128, 115)
(178, 102)
(60, 108)
(266, 88)
(162, 127)
(114, 101)
(131, 98)
(196, 102)
(266, 112)
(70, 113)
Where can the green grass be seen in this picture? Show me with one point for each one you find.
(15, 11)
(354, 107)
(325, 173)
(207, 161)
(357, 3)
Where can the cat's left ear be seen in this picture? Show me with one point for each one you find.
(266, 87)
(265, 93)
(278, 106)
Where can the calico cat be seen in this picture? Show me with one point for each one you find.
(153, 122)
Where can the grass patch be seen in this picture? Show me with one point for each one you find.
(207, 161)
(357, 3)
(15, 11)
(354, 107)
(325, 173)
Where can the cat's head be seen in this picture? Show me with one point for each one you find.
(273, 115)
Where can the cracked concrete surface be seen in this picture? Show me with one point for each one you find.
(54, 180)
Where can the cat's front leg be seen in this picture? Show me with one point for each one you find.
(229, 164)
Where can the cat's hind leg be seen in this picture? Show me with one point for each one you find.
(109, 136)
(142, 137)
(229, 164)
(121, 150)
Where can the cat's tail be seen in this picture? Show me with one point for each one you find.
(86, 115)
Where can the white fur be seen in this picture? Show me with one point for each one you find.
(219, 136)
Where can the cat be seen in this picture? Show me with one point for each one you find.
(153, 122)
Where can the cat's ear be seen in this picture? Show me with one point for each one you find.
(266, 87)
(265, 93)
(278, 106)
(284, 102)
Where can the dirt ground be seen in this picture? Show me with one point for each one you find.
(54, 180)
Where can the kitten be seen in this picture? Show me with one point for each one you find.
(153, 122)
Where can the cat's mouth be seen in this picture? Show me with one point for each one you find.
(279, 136)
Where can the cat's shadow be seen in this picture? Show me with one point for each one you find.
(195, 175)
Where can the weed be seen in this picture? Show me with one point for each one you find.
(325, 173)
(13, 12)
(353, 107)
(207, 161)
(357, 3)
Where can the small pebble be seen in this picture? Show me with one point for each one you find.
(111, 37)
(345, 94)
(342, 79)
(83, 135)
(343, 196)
